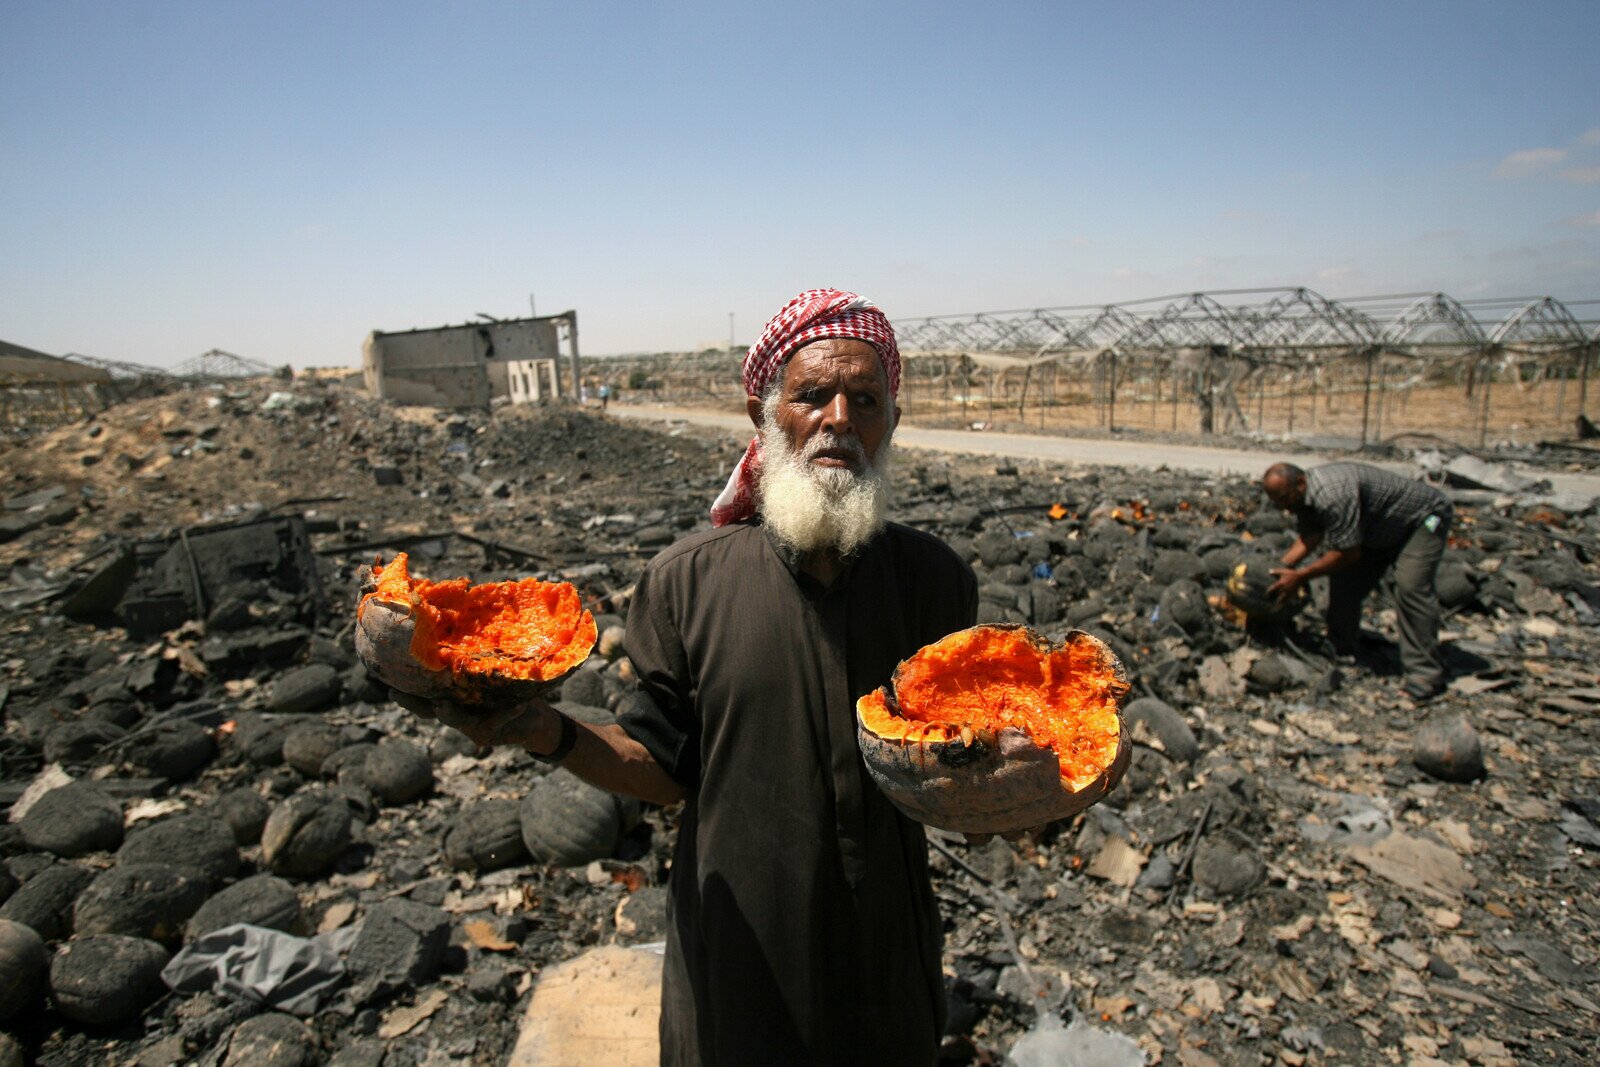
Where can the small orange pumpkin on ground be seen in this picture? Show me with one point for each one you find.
(995, 729)
(459, 641)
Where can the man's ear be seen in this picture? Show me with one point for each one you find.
(895, 425)
(752, 407)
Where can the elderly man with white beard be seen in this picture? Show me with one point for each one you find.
(803, 927)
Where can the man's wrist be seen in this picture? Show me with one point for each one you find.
(553, 751)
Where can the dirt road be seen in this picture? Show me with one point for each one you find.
(1076, 450)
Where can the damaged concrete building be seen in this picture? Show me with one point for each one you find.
(470, 365)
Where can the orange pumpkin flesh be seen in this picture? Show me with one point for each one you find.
(994, 729)
(456, 639)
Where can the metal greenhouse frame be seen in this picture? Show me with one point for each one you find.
(1261, 361)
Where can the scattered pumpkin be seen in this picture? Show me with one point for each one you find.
(460, 641)
(1247, 587)
(996, 729)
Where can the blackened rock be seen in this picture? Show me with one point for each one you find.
(1183, 604)
(79, 741)
(1266, 522)
(997, 548)
(348, 765)
(360, 1054)
(1173, 565)
(1272, 674)
(1220, 561)
(642, 916)
(123, 713)
(258, 741)
(306, 834)
(244, 812)
(8, 881)
(1158, 874)
(492, 982)
(1448, 748)
(358, 800)
(23, 966)
(1226, 863)
(338, 655)
(1089, 608)
(260, 900)
(199, 844)
(1043, 604)
(362, 688)
(584, 687)
(1068, 576)
(568, 823)
(448, 743)
(148, 900)
(1166, 723)
(998, 604)
(485, 835)
(45, 901)
(175, 750)
(1012, 574)
(308, 745)
(398, 772)
(72, 820)
(613, 642)
(11, 1052)
(22, 863)
(401, 944)
(304, 689)
(1454, 585)
(271, 1040)
(106, 979)
(1557, 571)
(232, 612)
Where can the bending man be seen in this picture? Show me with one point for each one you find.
(1367, 520)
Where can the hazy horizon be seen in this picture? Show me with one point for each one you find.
(278, 180)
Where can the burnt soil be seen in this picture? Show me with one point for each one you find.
(1276, 879)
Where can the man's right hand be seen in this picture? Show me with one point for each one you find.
(1288, 580)
(530, 724)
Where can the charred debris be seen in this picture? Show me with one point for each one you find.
(1298, 868)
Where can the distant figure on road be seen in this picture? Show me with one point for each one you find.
(605, 395)
(1366, 521)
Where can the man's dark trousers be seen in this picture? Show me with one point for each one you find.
(1415, 563)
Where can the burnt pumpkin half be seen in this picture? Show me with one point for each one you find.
(996, 729)
(459, 641)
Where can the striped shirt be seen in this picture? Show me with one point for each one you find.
(1353, 504)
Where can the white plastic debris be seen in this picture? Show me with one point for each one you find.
(1049, 1044)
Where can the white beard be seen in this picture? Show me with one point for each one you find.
(810, 507)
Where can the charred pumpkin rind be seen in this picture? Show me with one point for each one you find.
(988, 774)
(453, 640)
(1247, 587)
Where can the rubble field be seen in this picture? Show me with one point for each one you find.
(226, 846)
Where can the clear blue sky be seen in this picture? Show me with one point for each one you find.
(278, 179)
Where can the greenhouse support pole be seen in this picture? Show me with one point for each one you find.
(1366, 398)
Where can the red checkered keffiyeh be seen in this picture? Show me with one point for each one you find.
(814, 315)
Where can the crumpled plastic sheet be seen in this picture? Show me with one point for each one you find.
(1049, 1044)
(1357, 821)
(253, 963)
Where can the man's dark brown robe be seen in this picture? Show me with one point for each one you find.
(803, 926)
